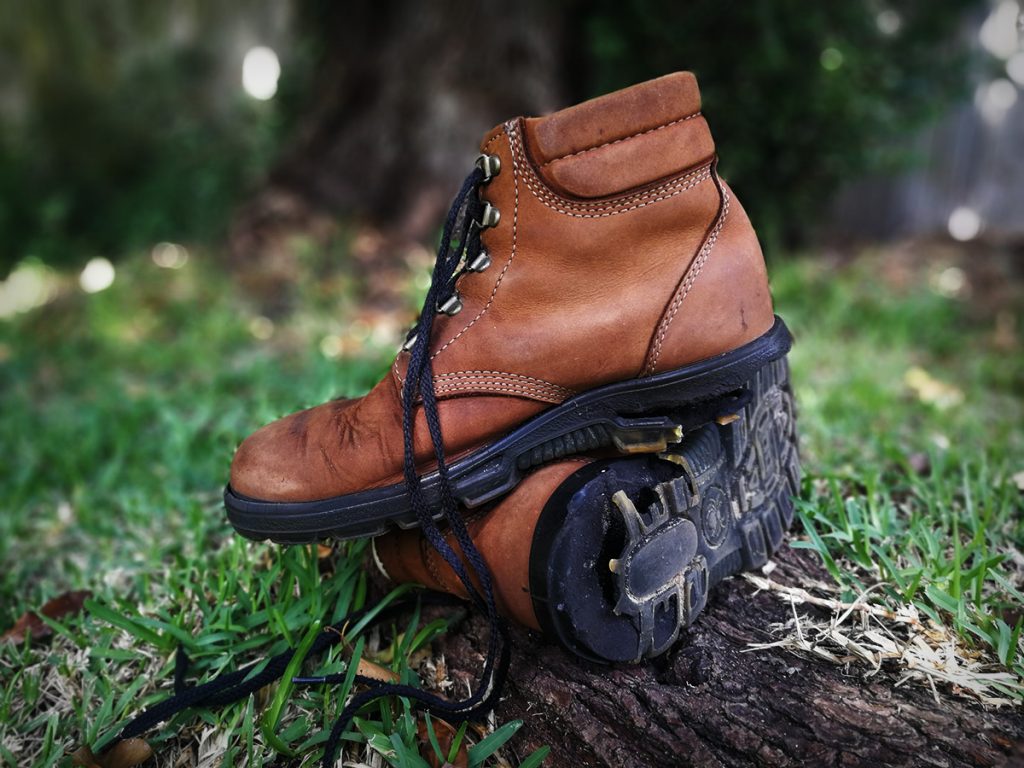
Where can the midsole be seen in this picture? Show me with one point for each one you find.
(636, 415)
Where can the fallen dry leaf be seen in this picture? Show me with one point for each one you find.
(30, 625)
(125, 754)
(441, 673)
(931, 390)
(367, 668)
(445, 734)
(324, 558)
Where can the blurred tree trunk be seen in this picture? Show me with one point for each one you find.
(402, 94)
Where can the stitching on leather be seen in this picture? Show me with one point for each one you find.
(483, 376)
(691, 183)
(499, 386)
(507, 389)
(511, 256)
(500, 381)
(545, 395)
(490, 141)
(470, 374)
(603, 209)
(624, 138)
(678, 185)
(691, 277)
(548, 195)
(538, 396)
(494, 385)
(508, 263)
(619, 203)
(502, 375)
(469, 380)
(542, 190)
(549, 394)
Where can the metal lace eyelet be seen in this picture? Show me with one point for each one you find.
(480, 262)
(409, 342)
(490, 165)
(451, 306)
(490, 216)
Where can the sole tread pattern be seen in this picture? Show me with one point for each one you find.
(727, 510)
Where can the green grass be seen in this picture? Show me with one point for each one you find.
(121, 411)
(913, 428)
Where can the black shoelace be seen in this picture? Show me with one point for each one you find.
(460, 244)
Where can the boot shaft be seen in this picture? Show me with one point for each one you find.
(623, 141)
(615, 234)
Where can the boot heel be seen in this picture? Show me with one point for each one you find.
(627, 550)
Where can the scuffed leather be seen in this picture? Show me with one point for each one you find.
(582, 291)
(339, 448)
(622, 165)
(614, 116)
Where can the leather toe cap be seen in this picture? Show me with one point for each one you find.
(286, 461)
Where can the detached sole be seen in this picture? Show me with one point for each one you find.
(636, 416)
(626, 551)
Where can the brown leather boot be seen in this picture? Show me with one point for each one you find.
(613, 557)
(598, 286)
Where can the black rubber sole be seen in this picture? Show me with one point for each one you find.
(636, 416)
(626, 550)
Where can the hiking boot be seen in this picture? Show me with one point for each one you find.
(613, 557)
(595, 277)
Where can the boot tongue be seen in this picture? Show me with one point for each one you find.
(613, 117)
(622, 141)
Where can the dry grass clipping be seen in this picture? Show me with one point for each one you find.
(870, 635)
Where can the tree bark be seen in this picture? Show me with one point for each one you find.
(402, 94)
(713, 702)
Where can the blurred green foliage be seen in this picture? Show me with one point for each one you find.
(114, 130)
(801, 95)
(123, 124)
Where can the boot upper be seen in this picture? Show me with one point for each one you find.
(619, 253)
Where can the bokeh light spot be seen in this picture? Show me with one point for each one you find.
(261, 327)
(998, 34)
(1015, 68)
(169, 255)
(98, 275)
(331, 346)
(888, 22)
(950, 282)
(964, 224)
(995, 99)
(831, 59)
(30, 285)
(260, 72)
